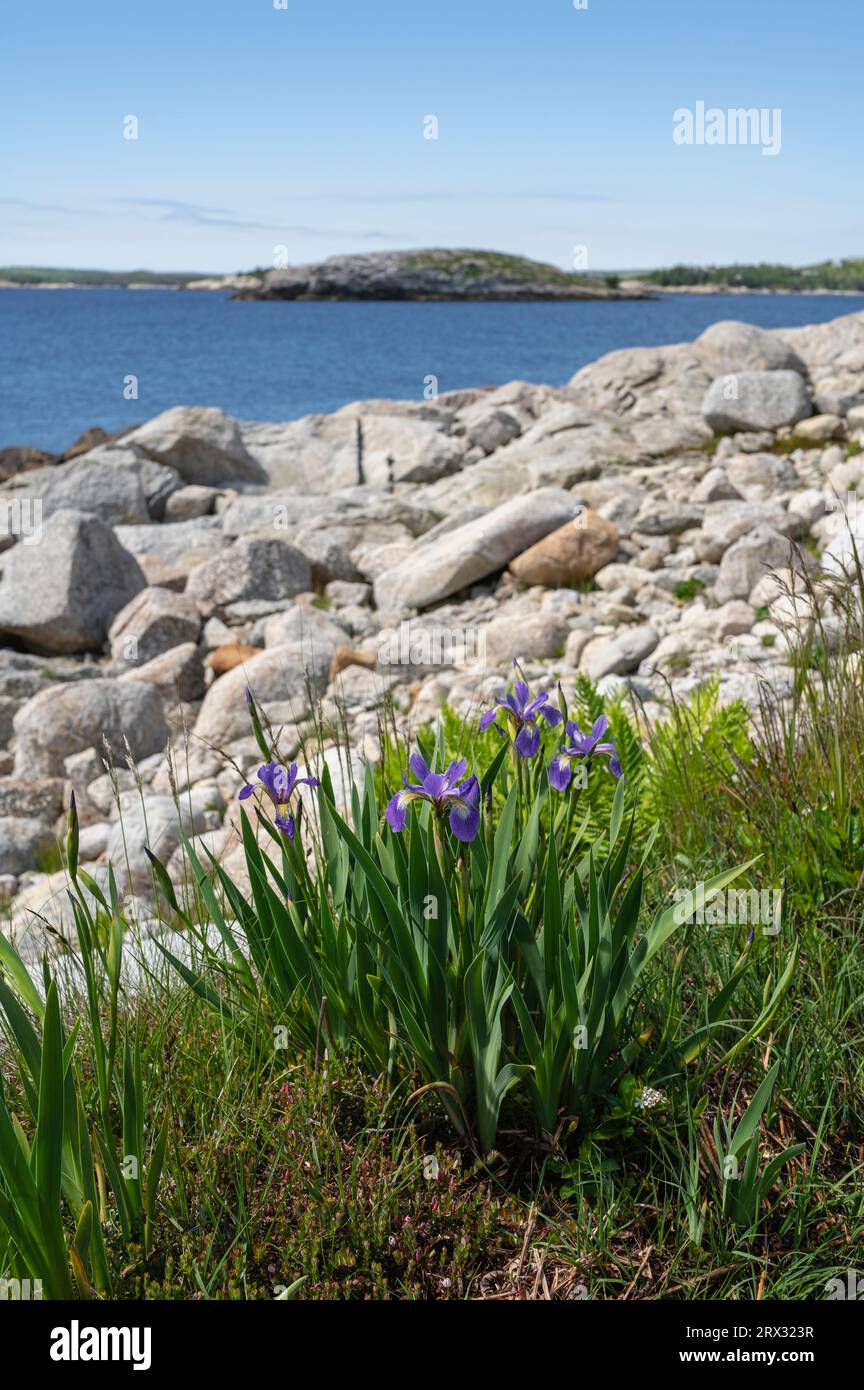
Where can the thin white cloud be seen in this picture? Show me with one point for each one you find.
(202, 215)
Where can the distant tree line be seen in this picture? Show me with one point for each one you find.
(52, 275)
(827, 275)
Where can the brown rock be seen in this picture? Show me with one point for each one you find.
(229, 655)
(573, 553)
(343, 657)
(90, 439)
(20, 458)
(819, 429)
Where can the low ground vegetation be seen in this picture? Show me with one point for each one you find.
(460, 1039)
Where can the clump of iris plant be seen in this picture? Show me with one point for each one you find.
(522, 710)
(280, 783)
(446, 791)
(582, 748)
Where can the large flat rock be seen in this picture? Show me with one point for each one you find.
(458, 558)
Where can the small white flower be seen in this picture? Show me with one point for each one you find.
(648, 1098)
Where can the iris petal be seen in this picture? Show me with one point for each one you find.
(535, 706)
(455, 772)
(528, 740)
(417, 764)
(277, 781)
(465, 812)
(523, 695)
(435, 785)
(559, 773)
(397, 811)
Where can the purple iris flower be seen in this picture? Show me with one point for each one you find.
(279, 783)
(523, 710)
(583, 747)
(445, 791)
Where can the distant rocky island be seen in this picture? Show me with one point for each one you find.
(433, 275)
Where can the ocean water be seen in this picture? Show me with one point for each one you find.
(67, 356)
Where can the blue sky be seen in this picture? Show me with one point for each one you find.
(303, 127)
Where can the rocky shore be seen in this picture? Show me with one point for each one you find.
(648, 525)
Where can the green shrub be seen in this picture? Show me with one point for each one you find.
(688, 589)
